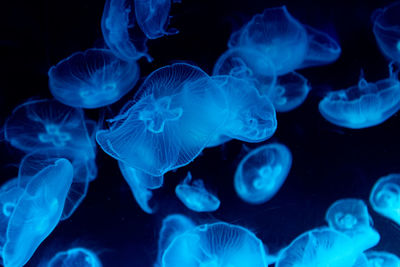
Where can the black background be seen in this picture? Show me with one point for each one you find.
(329, 162)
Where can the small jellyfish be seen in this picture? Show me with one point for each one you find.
(261, 173)
(351, 217)
(363, 105)
(75, 257)
(37, 212)
(195, 196)
(217, 244)
(177, 111)
(385, 197)
(321, 247)
(382, 259)
(92, 79)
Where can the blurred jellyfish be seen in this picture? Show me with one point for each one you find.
(363, 105)
(261, 173)
(37, 212)
(322, 247)
(385, 197)
(218, 244)
(92, 79)
(351, 217)
(75, 257)
(177, 112)
(195, 196)
(141, 185)
(382, 259)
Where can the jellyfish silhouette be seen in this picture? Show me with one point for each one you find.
(363, 105)
(177, 111)
(351, 217)
(195, 196)
(261, 173)
(75, 257)
(37, 212)
(92, 79)
(382, 259)
(218, 244)
(385, 197)
(322, 247)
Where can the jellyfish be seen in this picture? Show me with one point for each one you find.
(385, 197)
(382, 259)
(177, 111)
(40, 124)
(37, 212)
(92, 79)
(363, 105)
(387, 30)
(195, 196)
(217, 244)
(77, 256)
(321, 247)
(351, 217)
(261, 173)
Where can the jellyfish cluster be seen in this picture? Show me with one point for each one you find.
(159, 128)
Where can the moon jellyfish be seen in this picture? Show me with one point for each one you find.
(321, 247)
(92, 79)
(37, 212)
(81, 257)
(177, 112)
(195, 196)
(382, 259)
(218, 244)
(385, 197)
(261, 173)
(351, 217)
(363, 105)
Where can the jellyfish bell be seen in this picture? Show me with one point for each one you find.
(382, 259)
(77, 256)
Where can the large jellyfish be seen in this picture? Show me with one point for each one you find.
(177, 111)
(351, 217)
(385, 197)
(217, 245)
(92, 79)
(195, 196)
(261, 173)
(75, 257)
(363, 105)
(321, 247)
(37, 212)
(382, 259)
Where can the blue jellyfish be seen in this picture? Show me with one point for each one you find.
(41, 124)
(382, 259)
(37, 212)
(217, 244)
(141, 185)
(75, 257)
(385, 197)
(387, 30)
(261, 173)
(351, 217)
(195, 196)
(92, 79)
(363, 105)
(177, 111)
(172, 226)
(321, 247)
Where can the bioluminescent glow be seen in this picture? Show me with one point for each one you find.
(75, 257)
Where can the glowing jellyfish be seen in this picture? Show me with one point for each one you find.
(385, 197)
(261, 173)
(387, 30)
(177, 111)
(363, 105)
(92, 79)
(218, 244)
(37, 212)
(75, 257)
(195, 196)
(351, 217)
(382, 259)
(322, 247)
